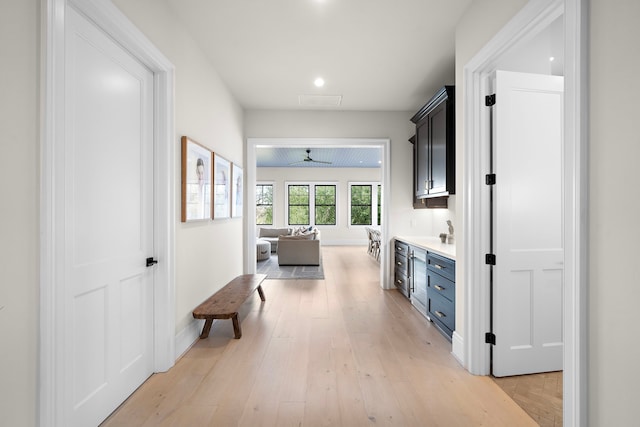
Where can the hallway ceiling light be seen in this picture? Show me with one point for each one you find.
(319, 82)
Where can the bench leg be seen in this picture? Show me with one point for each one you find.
(206, 328)
(260, 292)
(236, 326)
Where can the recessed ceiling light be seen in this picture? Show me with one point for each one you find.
(319, 82)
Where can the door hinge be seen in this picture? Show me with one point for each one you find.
(151, 261)
(490, 100)
(490, 179)
(490, 259)
(490, 338)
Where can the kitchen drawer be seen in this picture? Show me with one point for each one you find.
(437, 284)
(444, 266)
(402, 283)
(442, 313)
(401, 264)
(402, 248)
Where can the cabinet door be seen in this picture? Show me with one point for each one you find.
(422, 159)
(437, 120)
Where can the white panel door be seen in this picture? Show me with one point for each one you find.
(108, 229)
(527, 224)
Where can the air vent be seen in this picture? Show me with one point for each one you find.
(320, 100)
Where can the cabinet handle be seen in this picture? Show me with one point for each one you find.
(398, 263)
(426, 185)
(440, 314)
(438, 287)
(399, 282)
(438, 266)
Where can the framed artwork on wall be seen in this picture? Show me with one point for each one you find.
(221, 187)
(237, 185)
(196, 181)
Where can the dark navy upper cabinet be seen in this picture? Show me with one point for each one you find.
(435, 145)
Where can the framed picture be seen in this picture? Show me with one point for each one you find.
(221, 187)
(236, 191)
(196, 181)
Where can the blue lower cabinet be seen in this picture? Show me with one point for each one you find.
(443, 313)
(441, 291)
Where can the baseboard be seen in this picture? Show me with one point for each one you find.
(457, 344)
(187, 337)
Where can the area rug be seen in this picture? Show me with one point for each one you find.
(271, 268)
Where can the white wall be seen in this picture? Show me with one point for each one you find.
(614, 286)
(342, 232)
(19, 237)
(206, 112)
(482, 20)
(403, 219)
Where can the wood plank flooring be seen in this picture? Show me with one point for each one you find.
(334, 352)
(540, 395)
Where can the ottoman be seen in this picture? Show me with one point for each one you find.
(263, 250)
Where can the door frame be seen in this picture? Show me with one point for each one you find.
(114, 23)
(250, 224)
(534, 16)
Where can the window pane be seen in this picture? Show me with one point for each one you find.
(360, 215)
(264, 215)
(361, 195)
(325, 215)
(298, 215)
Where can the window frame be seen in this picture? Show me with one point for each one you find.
(376, 193)
(273, 199)
(312, 200)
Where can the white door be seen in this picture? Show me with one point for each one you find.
(108, 230)
(527, 224)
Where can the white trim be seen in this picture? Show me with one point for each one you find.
(386, 282)
(109, 18)
(187, 337)
(457, 347)
(533, 17)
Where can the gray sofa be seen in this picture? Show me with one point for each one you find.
(271, 235)
(303, 249)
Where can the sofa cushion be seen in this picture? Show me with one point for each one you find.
(273, 232)
(308, 236)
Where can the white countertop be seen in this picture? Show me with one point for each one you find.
(432, 244)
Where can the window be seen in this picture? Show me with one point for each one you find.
(364, 200)
(264, 204)
(311, 204)
(298, 204)
(325, 204)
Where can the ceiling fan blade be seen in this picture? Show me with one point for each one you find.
(320, 161)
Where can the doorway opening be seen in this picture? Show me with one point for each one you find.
(253, 143)
(531, 21)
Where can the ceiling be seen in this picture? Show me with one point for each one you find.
(339, 157)
(374, 55)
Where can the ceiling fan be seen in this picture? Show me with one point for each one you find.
(309, 159)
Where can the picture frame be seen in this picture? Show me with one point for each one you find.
(237, 189)
(221, 187)
(196, 181)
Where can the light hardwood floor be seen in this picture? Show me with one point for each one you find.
(333, 352)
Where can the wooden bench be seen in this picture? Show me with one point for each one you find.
(225, 303)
